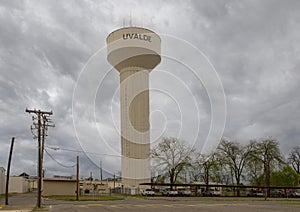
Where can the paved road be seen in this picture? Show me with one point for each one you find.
(19, 202)
(174, 205)
(26, 202)
(210, 207)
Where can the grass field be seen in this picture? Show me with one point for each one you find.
(230, 199)
(2, 196)
(286, 201)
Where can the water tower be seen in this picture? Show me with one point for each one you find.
(134, 52)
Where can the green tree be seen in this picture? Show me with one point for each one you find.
(268, 153)
(294, 158)
(285, 177)
(235, 156)
(254, 171)
(205, 166)
(171, 156)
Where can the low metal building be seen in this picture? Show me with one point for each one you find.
(58, 186)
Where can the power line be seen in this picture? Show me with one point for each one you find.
(59, 163)
(77, 151)
(81, 151)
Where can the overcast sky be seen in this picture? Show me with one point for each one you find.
(48, 59)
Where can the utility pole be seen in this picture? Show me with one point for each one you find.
(40, 164)
(43, 138)
(42, 118)
(114, 182)
(8, 170)
(77, 178)
(101, 170)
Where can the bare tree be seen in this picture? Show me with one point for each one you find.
(254, 170)
(204, 165)
(268, 153)
(173, 156)
(226, 173)
(294, 158)
(194, 172)
(235, 156)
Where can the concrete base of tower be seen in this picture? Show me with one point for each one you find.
(135, 172)
(135, 184)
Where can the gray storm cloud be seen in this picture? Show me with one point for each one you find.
(44, 45)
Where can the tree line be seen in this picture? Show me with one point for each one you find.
(257, 163)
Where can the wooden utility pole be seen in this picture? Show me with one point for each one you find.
(41, 126)
(8, 170)
(43, 138)
(114, 182)
(77, 179)
(40, 164)
(101, 171)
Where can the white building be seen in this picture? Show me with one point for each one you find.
(2, 180)
(18, 184)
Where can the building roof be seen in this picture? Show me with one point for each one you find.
(24, 174)
(59, 179)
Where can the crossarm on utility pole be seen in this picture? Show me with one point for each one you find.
(39, 111)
